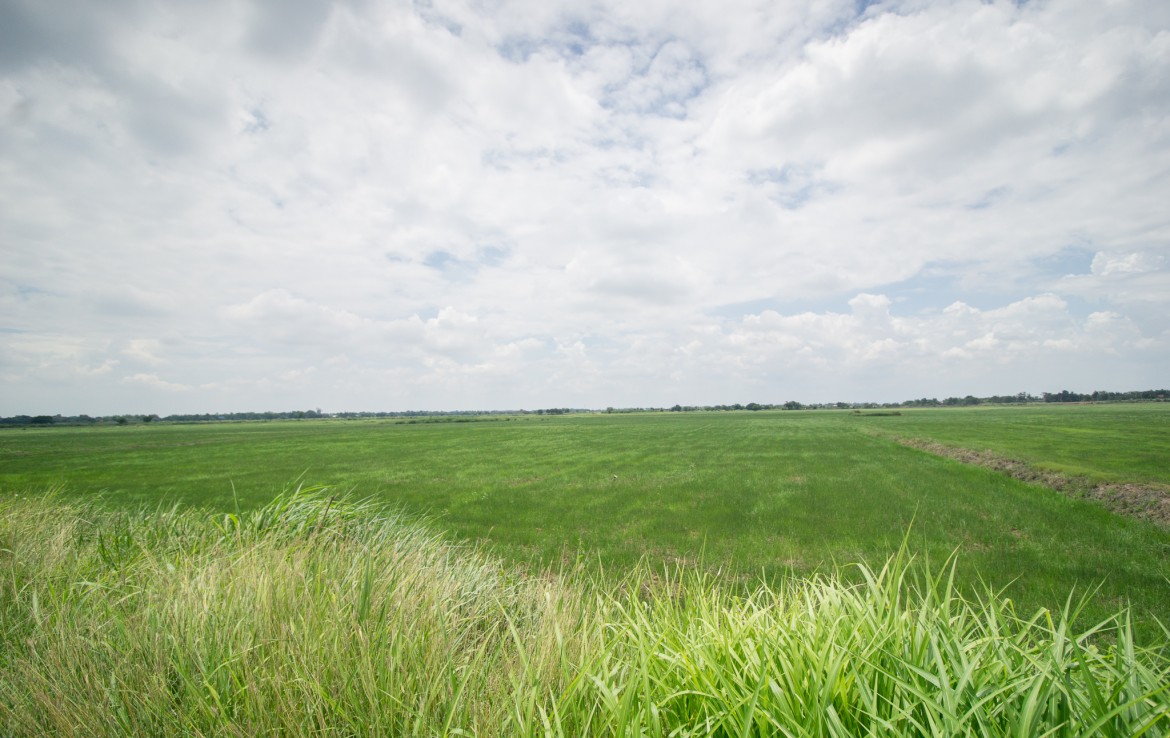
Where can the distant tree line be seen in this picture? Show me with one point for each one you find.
(1103, 396)
(26, 420)
(1020, 398)
(45, 420)
(1155, 395)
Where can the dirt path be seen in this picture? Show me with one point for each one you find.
(1142, 501)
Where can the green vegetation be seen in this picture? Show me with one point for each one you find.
(1108, 443)
(318, 616)
(754, 494)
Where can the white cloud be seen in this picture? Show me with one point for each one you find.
(146, 350)
(1023, 339)
(459, 204)
(153, 381)
(1105, 263)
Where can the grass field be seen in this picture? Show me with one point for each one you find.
(316, 616)
(767, 493)
(1106, 443)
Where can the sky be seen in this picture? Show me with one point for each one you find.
(237, 205)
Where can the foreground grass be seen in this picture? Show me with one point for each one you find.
(316, 616)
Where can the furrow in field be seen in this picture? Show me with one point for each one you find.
(1143, 501)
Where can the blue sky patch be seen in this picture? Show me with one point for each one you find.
(791, 186)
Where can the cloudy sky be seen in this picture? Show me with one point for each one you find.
(484, 204)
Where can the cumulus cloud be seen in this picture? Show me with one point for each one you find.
(146, 350)
(1106, 264)
(452, 203)
(153, 381)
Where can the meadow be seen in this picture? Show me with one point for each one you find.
(1127, 442)
(729, 574)
(757, 495)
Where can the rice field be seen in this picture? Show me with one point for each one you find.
(760, 494)
(750, 573)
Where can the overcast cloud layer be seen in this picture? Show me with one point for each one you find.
(478, 204)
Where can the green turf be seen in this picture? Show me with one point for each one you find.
(1107, 442)
(767, 492)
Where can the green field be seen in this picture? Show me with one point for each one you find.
(313, 616)
(1107, 443)
(659, 575)
(765, 493)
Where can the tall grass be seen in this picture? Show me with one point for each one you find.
(322, 616)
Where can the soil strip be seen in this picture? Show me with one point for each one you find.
(1142, 501)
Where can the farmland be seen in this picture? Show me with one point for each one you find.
(1108, 443)
(747, 574)
(767, 494)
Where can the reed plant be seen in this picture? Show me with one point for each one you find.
(326, 616)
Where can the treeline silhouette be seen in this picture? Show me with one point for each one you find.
(1153, 395)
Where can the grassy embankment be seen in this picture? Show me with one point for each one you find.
(751, 494)
(325, 617)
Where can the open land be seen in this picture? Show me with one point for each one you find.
(670, 574)
(751, 494)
